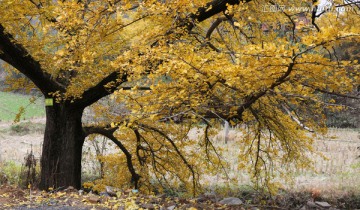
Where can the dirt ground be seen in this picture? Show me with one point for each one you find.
(71, 199)
(14, 147)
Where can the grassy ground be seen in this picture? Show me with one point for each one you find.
(10, 104)
(336, 175)
(340, 172)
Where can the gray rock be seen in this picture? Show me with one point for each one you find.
(81, 192)
(70, 189)
(231, 201)
(311, 205)
(110, 191)
(171, 207)
(325, 205)
(93, 199)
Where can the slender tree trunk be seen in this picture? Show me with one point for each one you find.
(62, 147)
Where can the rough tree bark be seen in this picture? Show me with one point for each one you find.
(62, 147)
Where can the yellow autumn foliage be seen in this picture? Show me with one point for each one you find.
(261, 71)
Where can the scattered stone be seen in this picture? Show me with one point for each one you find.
(70, 189)
(134, 191)
(311, 205)
(325, 205)
(110, 191)
(148, 206)
(93, 199)
(171, 207)
(231, 201)
(81, 192)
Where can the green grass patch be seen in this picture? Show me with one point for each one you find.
(11, 103)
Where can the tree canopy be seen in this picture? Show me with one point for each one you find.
(175, 66)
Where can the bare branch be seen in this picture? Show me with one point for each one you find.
(177, 151)
(332, 92)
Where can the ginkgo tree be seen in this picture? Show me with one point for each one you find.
(187, 63)
(67, 49)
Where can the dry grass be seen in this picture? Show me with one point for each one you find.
(340, 173)
(337, 175)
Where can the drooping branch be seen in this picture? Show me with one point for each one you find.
(17, 56)
(214, 25)
(209, 143)
(108, 132)
(138, 147)
(178, 152)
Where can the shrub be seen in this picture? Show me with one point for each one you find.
(29, 171)
(10, 172)
(21, 175)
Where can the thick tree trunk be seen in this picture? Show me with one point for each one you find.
(62, 147)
